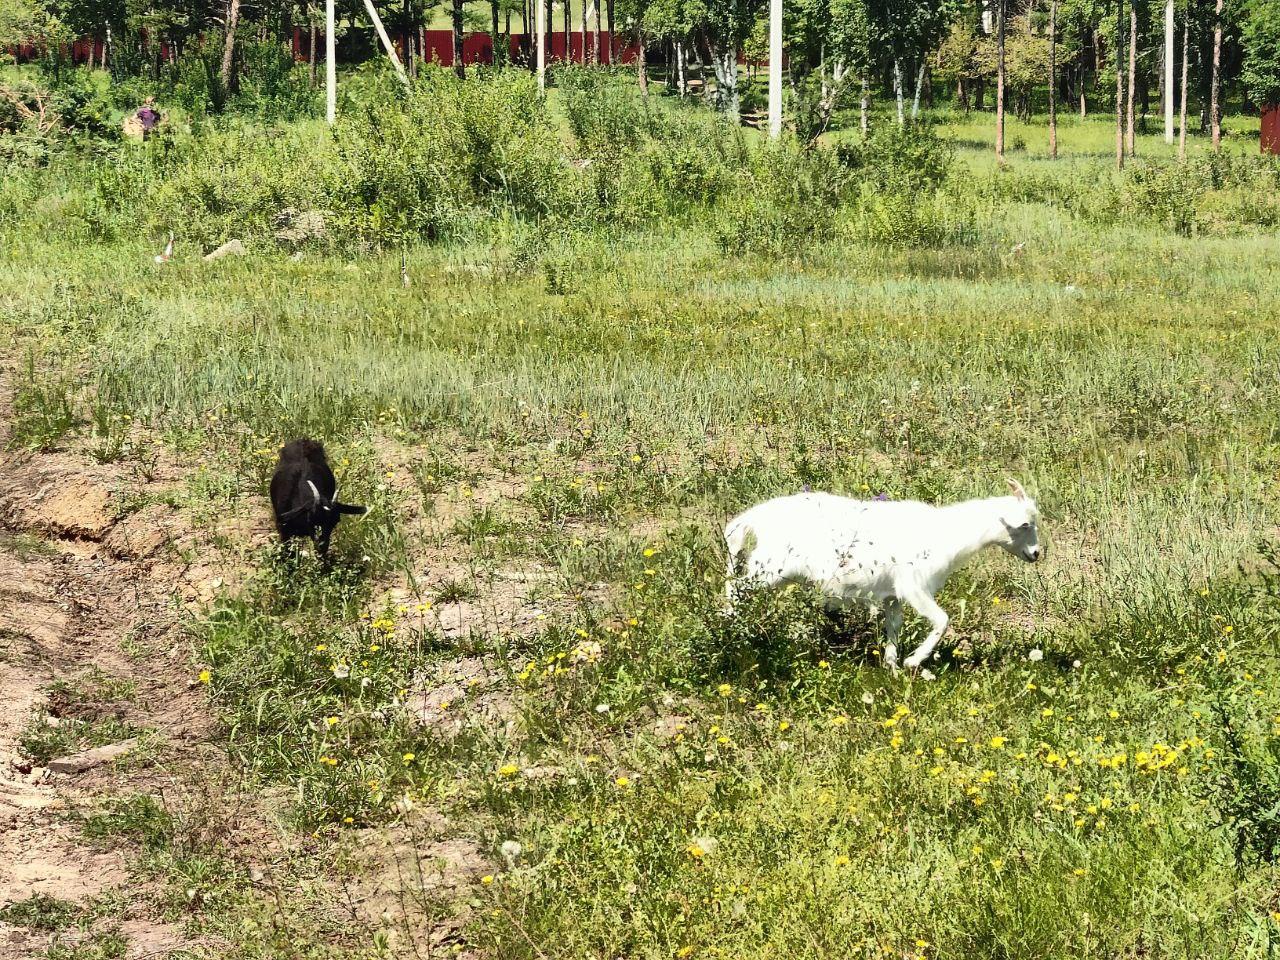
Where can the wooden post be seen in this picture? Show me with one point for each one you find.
(775, 68)
(386, 41)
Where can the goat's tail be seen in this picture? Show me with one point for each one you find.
(350, 509)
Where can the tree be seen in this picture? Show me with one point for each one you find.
(1186, 71)
(906, 30)
(1053, 78)
(229, 44)
(725, 28)
(1119, 45)
(1260, 37)
(1129, 138)
(455, 12)
(1215, 111)
(1001, 17)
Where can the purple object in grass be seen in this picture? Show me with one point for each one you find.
(882, 496)
(805, 488)
(148, 117)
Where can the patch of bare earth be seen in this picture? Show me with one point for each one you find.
(70, 604)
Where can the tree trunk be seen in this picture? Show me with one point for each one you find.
(1119, 85)
(682, 85)
(724, 63)
(608, 14)
(1133, 73)
(1215, 112)
(410, 63)
(311, 56)
(458, 66)
(1000, 80)
(642, 72)
(1053, 79)
(1182, 125)
(495, 29)
(596, 56)
(1170, 60)
(229, 44)
(1084, 103)
(568, 33)
(915, 101)
(583, 14)
(897, 91)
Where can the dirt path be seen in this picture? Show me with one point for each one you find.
(92, 605)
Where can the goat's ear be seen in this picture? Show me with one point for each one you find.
(1016, 487)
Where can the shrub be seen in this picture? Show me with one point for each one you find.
(226, 184)
(783, 201)
(903, 220)
(448, 155)
(606, 112)
(893, 159)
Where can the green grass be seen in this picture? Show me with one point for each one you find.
(593, 411)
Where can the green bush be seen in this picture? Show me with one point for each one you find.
(784, 199)
(893, 159)
(1260, 37)
(447, 156)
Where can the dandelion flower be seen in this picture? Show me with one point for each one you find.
(508, 770)
(205, 676)
(623, 782)
(487, 879)
(1036, 655)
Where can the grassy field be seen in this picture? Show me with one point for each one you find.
(526, 635)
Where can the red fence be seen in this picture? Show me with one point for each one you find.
(85, 50)
(1271, 130)
(437, 45)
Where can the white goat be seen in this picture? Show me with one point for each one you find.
(881, 553)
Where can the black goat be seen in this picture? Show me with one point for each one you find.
(303, 491)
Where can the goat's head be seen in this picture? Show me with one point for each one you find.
(1019, 517)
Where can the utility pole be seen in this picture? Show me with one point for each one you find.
(330, 66)
(775, 68)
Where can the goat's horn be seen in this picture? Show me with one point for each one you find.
(316, 493)
(1016, 487)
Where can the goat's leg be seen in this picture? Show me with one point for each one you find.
(892, 627)
(927, 607)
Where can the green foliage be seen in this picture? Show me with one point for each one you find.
(1260, 37)
(782, 202)
(904, 160)
(41, 912)
(455, 152)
